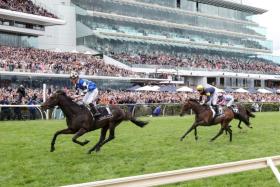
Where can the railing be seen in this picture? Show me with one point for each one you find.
(183, 175)
(137, 110)
(21, 111)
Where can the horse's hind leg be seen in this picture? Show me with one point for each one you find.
(64, 131)
(101, 139)
(111, 137)
(239, 124)
(219, 133)
(81, 132)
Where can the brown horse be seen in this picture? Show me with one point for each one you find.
(204, 117)
(80, 121)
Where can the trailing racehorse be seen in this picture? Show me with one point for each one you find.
(243, 115)
(204, 117)
(80, 120)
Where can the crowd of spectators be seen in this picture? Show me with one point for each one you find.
(202, 61)
(9, 96)
(26, 6)
(44, 61)
(126, 97)
(123, 97)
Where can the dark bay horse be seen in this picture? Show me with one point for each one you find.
(204, 117)
(80, 121)
(243, 115)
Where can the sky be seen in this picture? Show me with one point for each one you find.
(270, 20)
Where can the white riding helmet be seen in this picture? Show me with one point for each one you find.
(74, 75)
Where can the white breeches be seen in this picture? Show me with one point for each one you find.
(90, 97)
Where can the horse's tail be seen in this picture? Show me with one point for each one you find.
(139, 123)
(249, 113)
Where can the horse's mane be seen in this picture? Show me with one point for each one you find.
(194, 100)
(70, 99)
(61, 92)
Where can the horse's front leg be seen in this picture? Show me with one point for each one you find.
(101, 139)
(81, 132)
(195, 133)
(64, 131)
(195, 124)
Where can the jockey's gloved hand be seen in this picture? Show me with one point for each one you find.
(84, 91)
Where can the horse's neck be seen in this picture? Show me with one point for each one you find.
(197, 108)
(68, 107)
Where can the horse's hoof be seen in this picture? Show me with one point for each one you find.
(181, 139)
(52, 149)
(85, 142)
(89, 152)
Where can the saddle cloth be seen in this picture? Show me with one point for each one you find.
(221, 111)
(235, 109)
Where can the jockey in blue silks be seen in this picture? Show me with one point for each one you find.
(88, 87)
(212, 97)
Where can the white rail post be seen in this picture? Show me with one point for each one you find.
(44, 99)
(274, 169)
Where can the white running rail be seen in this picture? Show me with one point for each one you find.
(182, 175)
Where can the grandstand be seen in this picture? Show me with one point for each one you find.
(190, 37)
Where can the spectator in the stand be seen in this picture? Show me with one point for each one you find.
(157, 111)
(5, 111)
(21, 93)
(32, 110)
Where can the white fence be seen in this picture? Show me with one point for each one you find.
(183, 175)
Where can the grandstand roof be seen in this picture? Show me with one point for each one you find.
(30, 18)
(232, 5)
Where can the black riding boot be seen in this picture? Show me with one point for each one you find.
(216, 108)
(94, 110)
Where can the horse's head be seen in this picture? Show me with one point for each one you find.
(53, 100)
(187, 106)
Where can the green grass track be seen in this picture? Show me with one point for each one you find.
(25, 159)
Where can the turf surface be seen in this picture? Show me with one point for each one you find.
(26, 160)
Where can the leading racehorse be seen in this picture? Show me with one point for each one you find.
(204, 117)
(80, 120)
